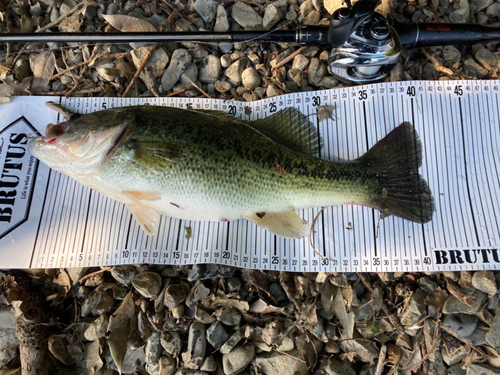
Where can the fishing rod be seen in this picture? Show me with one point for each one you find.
(365, 45)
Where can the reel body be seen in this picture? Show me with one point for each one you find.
(365, 46)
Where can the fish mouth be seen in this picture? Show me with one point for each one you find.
(53, 132)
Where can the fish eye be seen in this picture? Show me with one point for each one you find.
(74, 116)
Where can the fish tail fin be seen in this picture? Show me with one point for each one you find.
(401, 191)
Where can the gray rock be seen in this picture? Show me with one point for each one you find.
(277, 292)
(197, 343)
(171, 343)
(481, 369)
(233, 284)
(335, 367)
(222, 86)
(453, 355)
(178, 311)
(473, 69)
(312, 18)
(456, 370)
(203, 316)
(250, 78)
(98, 302)
(167, 365)
(226, 60)
(485, 279)
(482, 19)
(221, 21)
(180, 61)
(300, 62)
(427, 285)
(190, 74)
(493, 10)
(417, 304)
(238, 358)
(210, 69)
(111, 9)
(452, 56)
(478, 337)
(317, 71)
(176, 294)
(133, 357)
(8, 339)
(453, 306)
(483, 4)
(153, 348)
(292, 13)
(22, 69)
(271, 16)
(245, 16)
(209, 365)
(217, 335)
(225, 47)
(97, 328)
(147, 284)
(209, 271)
(461, 324)
(233, 72)
(493, 338)
(461, 15)
(276, 363)
(230, 316)
(206, 9)
(231, 343)
(123, 274)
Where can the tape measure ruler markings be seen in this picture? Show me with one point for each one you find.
(363, 115)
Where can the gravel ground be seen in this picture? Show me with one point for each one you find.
(208, 319)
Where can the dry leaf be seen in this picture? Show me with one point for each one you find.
(118, 345)
(325, 112)
(43, 68)
(262, 307)
(71, 24)
(125, 23)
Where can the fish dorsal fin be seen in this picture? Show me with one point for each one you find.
(292, 129)
(289, 127)
(285, 224)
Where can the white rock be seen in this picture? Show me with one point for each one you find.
(245, 16)
(206, 9)
(271, 16)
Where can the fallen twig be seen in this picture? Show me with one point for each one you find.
(148, 54)
(436, 63)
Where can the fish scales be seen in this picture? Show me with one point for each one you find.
(200, 166)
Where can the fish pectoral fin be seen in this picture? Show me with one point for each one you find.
(285, 224)
(154, 154)
(145, 216)
(136, 195)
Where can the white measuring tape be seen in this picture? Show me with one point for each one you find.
(60, 223)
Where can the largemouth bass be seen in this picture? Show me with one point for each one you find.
(196, 165)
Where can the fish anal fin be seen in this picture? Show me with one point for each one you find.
(136, 195)
(285, 224)
(145, 216)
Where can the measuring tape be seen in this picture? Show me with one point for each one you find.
(458, 124)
